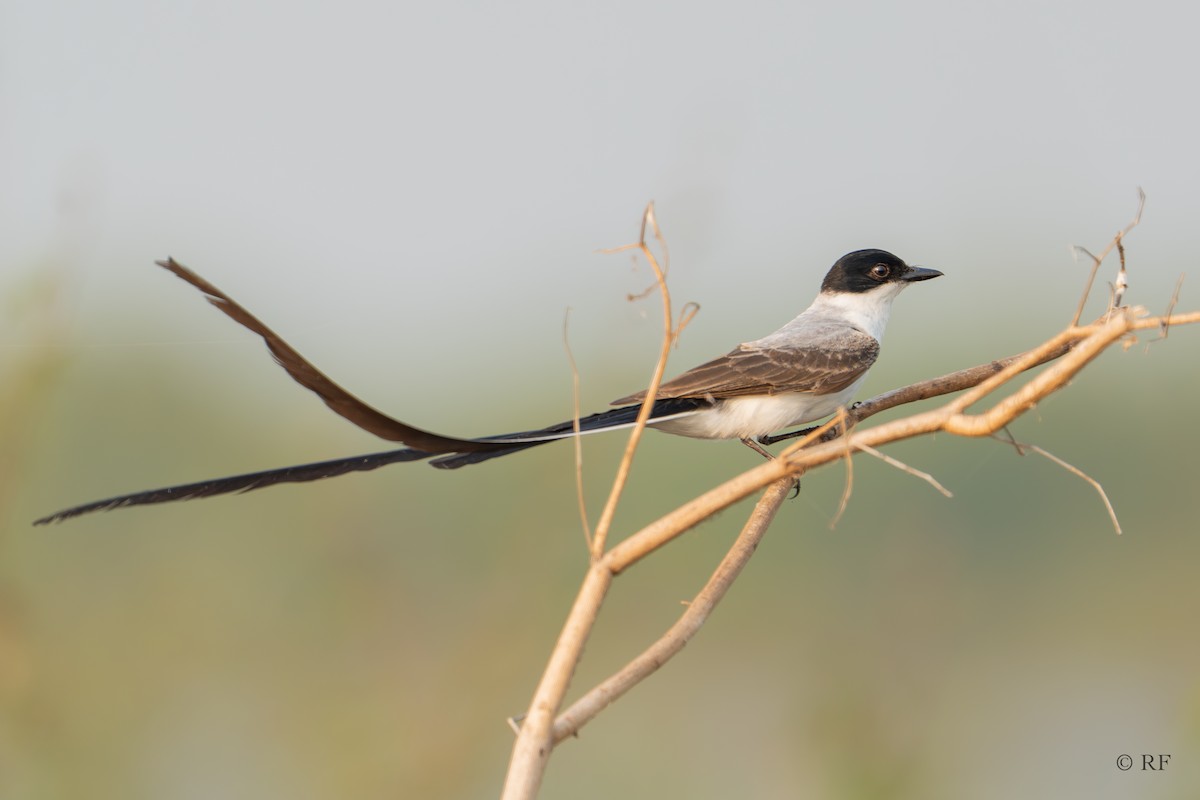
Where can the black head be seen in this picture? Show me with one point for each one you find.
(864, 270)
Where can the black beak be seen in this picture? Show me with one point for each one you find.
(920, 274)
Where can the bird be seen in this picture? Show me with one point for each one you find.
(806, 370)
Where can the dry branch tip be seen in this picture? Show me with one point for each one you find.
(1115, 242)
(1021, 448)
(900, 465)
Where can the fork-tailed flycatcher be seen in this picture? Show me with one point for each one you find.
(804, 371)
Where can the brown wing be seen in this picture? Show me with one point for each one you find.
(308, 376)
(752, 369)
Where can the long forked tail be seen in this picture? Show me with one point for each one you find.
(240, 483)
(447, 452)
(502, 445)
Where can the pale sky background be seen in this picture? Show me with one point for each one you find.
(368, 176)
(413, 194)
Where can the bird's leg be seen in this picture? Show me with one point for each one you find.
(768, 439)
(754, 445)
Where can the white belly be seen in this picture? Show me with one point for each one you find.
(757, 415)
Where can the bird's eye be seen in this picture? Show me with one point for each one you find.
(880, 272)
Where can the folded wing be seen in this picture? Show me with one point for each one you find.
(828, 364)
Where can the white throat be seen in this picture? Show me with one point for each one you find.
(867, 311)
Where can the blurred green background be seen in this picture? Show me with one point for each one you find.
(413, 197)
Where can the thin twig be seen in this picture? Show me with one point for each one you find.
(1010, 439)
(900, 465)
(1096, 260)
(686, 315)
(1021, 447)
(1121, 284)
(648, 221)
(577, 439)
(633, 297)
(600, 538)
(840, 424)
(531, 751)
(1171, 307)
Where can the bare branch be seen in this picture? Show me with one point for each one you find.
(799, 458)
(686, 315)
(531, 751)
(1096, 260)
(949, 383)
(841, 424)
(660, 272)
(900, 465)
(649, 661)
(577, 440)
(1121, 284)
(1112, 514)
(1171, 307)
(810, 453)
(1067, 353)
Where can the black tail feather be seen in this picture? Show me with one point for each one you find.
(613, 418)
(456, 460)
(564, 430)
(501, 445)
(242, 483)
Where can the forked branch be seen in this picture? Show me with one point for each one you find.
(1069, 351)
